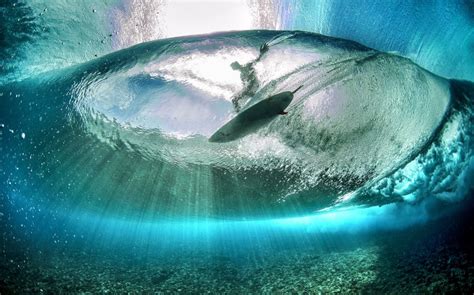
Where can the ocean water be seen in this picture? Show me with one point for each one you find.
(109, 183)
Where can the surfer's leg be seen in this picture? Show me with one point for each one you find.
(252, 87)
(235, 102)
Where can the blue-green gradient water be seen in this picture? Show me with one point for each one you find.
(109, 183)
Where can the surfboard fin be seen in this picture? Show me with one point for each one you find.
(294, 91)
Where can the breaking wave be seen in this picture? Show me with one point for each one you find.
(129, 130)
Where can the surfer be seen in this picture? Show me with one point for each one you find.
(248, 77)
(247, 71)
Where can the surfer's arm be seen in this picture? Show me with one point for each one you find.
(263, 48)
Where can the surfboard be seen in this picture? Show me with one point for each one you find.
(254, 117)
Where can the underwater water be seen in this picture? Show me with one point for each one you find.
(110, 184)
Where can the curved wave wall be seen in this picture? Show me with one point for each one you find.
(128, 132)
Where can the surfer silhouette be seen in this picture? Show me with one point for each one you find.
(248, 77)
(247, 71)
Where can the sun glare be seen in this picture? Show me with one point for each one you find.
(189, 17)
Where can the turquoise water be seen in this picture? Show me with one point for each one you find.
(109, 182)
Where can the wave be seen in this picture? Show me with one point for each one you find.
(128, 131)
